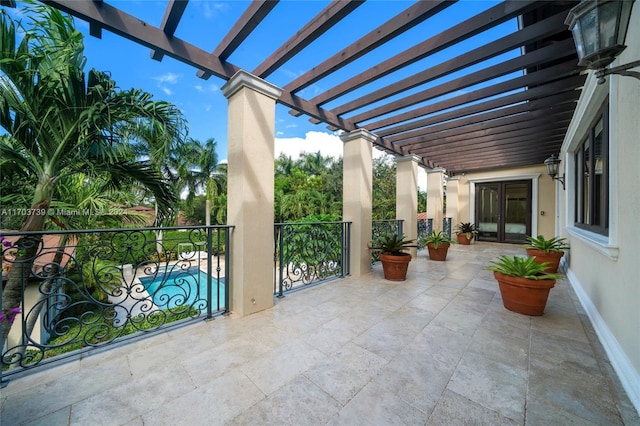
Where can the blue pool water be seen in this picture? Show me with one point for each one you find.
(182, 287)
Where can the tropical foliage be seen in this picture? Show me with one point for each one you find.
(392, 243)
(436, 238)
(517, 266)
(60, 121)
(466, 228)
(550, 245)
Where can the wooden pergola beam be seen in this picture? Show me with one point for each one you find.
(472, 26)
(549, 105)
(170, 20)
(495, 48)
(563, 85)
(395, 26)
(248, 21)
(327, 18)
(519, 121)
(539, 124)
(492, 72)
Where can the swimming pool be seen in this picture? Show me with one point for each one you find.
(169, 289)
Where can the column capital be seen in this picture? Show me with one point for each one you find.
(244, 79)
(402, 159)
(358, 134)
(437, 170)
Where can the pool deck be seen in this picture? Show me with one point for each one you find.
(437, 349)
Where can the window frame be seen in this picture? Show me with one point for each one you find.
(597, 206)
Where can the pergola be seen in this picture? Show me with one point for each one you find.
(498, 121)
(494, 113)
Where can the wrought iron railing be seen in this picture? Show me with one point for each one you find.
(425, 227)
(309, 253)
(380, 228)
(446, 226)
(68, 292)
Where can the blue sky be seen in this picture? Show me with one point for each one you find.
(205, 23)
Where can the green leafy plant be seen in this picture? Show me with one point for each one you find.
(392, 244)
(467, 228)
(436, 238)
(517, 266)
(551, 245)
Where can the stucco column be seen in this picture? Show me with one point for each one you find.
(435, 197)
(250, 175)
(453, 205)
(357, 196)
(407, 195)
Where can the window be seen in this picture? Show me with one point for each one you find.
(592, 176)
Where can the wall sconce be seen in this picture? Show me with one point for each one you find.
(599, 28)
(553, 164)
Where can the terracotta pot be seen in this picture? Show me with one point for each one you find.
(462, 239)
(440, 253)
(552, 258)
(524, 295)
(395, 266)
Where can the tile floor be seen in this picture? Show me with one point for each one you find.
(436, 349)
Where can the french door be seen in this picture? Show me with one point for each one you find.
(503, 211)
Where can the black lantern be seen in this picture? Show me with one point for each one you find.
(599, 29)
(552, 163)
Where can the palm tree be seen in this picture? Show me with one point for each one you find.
(315, 164)
(62, 121)
(208, 173)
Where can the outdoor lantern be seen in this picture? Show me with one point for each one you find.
(553, 164)
(599, 28)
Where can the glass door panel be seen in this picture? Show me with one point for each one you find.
(488, 212)
(516, 210)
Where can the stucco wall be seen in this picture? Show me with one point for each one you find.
(544, 195)
(604, 269)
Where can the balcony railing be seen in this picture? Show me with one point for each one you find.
(384, 227)
(75, 291)
(309, 253)
(425, 227)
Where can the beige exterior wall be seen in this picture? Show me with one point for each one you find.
(543, 196)
(604, 269)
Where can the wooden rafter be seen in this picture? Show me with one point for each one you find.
(467, 59)
(250, 19)
(392, 28)
(170, 21)
(481, 22)
(327, 18)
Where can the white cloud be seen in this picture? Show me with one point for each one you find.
(166, 90)
(329, 144)
(169, 78)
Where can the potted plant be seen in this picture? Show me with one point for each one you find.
(524, 284)
(466, 231)
(549, 251)
(395, 261)
(438, 245)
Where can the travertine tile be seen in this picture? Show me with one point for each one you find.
(497, 386)
(299, 402)
(454, 409)
(344, 373)
(375, 405)
(275, 368)
(216, 403)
